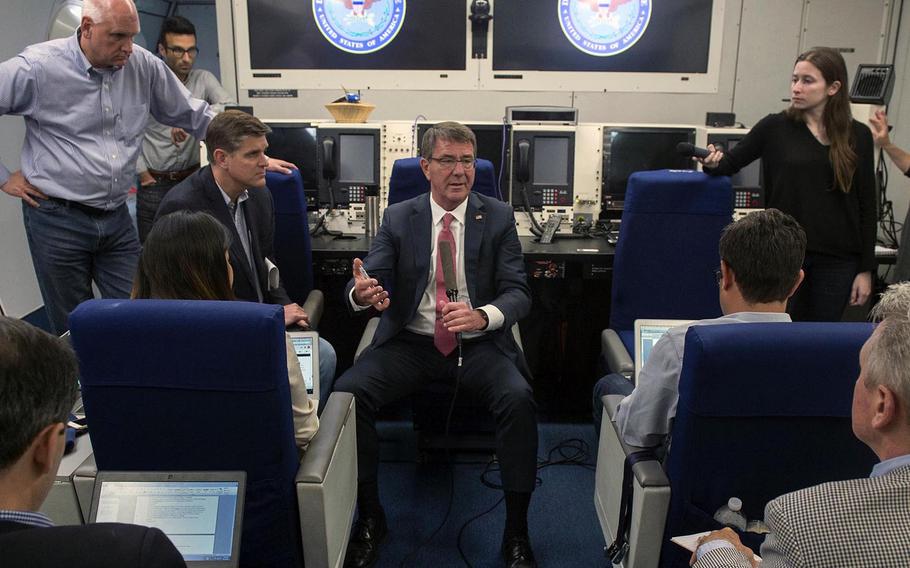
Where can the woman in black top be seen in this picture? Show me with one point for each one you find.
(817, 164)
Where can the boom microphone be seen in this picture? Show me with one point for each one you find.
(686, 149)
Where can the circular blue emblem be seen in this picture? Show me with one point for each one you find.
(604, 27)
(359, 26)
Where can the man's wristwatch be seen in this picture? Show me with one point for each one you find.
(486, 319)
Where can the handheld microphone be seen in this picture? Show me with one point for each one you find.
(686, 149)
(448, 275)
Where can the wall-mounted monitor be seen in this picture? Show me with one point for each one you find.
(492, 143)
(630, 149)
(348, 164)
(322, 44)
(296, 143)
(595, 45)
(543, 168)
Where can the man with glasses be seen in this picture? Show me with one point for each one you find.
(416, 341)
(761, 258)
(170, 154)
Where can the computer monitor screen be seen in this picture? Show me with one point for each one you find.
(551, 160)
(630, 150)
(198, 517)
(303, 348)
(356, 159)
(370, 34)
(296, 144)
(649, 336)
(632, 37)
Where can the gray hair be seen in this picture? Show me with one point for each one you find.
(37, 385)
(448, 131)
(889, 356)
(100, 10)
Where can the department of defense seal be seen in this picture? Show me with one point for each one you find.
(359, 26)
(604, 27)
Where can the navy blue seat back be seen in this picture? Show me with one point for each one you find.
(408, 180)
(764, 409)
(193, 385)
(667, 250)
(292, 243)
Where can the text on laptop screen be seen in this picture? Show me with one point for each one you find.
(649, 336)
(198, 516)
(303, 347)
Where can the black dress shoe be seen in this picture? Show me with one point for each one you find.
(517, 553)
(366, 536)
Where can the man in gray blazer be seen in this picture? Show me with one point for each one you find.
(858, 522)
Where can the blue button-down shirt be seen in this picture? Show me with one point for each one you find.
(85, 125)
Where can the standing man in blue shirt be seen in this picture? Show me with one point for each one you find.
(168, 154)
(86, 100)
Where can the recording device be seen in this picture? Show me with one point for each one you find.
(686, 149)
(448, 275)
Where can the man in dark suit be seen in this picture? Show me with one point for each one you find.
(232, 189)
(37, 389)
(416, 338)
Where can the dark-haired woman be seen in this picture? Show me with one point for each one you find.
(817, 164)
(185, 257)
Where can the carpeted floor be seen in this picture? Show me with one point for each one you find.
(415, 493)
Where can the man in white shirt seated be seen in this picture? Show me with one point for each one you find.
(761, 259)
(858, 522)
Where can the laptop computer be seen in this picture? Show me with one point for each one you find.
(200, 512)
(647, 332)
(306, 346)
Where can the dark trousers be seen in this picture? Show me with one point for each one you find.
(825, 291)
(148, 198)
(405, 363)
(73, 246)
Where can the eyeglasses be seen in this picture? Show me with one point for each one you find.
(448, 163)
(180, 52)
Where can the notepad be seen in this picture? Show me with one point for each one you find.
(690, 542)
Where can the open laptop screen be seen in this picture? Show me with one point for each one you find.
(647, 333)
(306, 346)
(201, 517)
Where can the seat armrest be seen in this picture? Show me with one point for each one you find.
(650, 494)
(516, 334)
(314, 306)
(321, 449)
(615, 353)
(368, 332)
(611, 405)
(326, 484)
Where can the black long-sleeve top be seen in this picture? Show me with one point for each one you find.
(799, 180)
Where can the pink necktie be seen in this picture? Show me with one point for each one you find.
(443, 339)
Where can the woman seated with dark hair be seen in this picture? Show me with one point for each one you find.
(185, 257)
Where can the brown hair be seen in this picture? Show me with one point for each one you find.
(836, 117)
(228, 129)
(183, 259)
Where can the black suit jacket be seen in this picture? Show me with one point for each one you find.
(494, 266)
(199, 192)
(100, 545)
